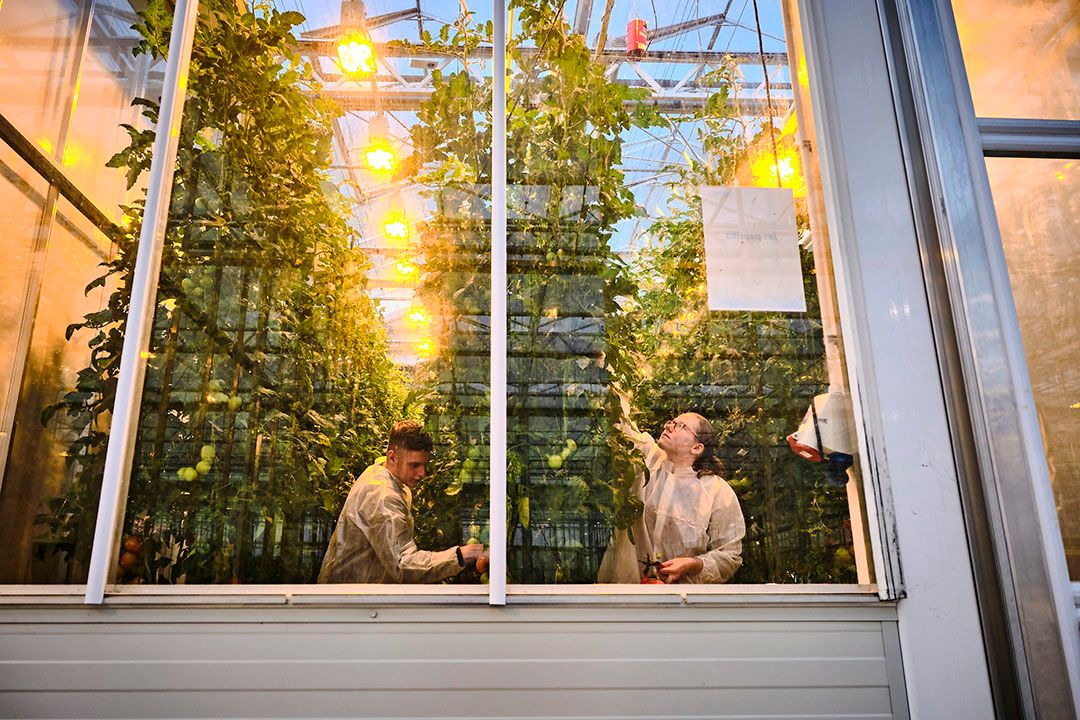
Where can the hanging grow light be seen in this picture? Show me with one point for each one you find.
(379, 155)
(406, 270)
(396, 226)
(356, 53)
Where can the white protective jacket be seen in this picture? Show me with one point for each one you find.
(373, 539)
(684, 516)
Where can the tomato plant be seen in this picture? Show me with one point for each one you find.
(269, 385)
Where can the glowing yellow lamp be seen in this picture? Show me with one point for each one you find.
(379, 157)
(786, 167)
(396, 227)
(356, 55)
(766, 167)
(406, 270)
(425, 348)
(417, 315)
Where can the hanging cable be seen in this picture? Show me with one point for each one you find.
(768, 97)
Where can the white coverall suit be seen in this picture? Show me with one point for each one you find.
(373, 539)
(685, 516)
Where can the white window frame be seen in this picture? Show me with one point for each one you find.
(1032, 587)
(872, 366)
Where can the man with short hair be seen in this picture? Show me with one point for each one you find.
(373, 539)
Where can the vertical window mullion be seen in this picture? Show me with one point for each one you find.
(497, 487)
(141, 311)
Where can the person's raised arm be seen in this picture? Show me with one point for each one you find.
(643, 442)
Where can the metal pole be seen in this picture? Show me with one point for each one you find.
(144, 281)
(497, 511)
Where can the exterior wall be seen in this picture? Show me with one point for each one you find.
(721, 661)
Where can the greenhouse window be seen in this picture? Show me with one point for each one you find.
(603, 284)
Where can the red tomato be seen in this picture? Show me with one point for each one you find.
(129, 560)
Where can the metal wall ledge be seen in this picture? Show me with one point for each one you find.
(741, 596)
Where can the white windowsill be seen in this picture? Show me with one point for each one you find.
(330, 595)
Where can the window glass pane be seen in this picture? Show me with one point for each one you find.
(669, 263)
(110, 78)
(1039, 215)
(1022, 56)
(325, 275)
(56, 360)
(46, 520)
(38, 50)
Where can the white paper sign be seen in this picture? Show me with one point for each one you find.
(751, 249)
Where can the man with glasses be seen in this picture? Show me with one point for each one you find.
(692, 523)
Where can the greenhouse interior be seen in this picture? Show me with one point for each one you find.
(326, 271)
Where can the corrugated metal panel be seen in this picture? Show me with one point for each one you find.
(470, 662)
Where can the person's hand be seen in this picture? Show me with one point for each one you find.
(677, 568)
(471, 552)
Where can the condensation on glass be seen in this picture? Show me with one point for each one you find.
(1038, 213)
(626, 166)
(1022, 56)
(68, 103)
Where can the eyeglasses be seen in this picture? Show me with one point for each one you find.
(679, 425)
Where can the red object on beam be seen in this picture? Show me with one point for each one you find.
(637, 37)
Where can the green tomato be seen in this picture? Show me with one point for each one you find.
(565, 453)
(571, 444)
(215, 385)
(187, 284)
(472, 541)
(235, 403)
(207, 452)
(468, 465)
(555, 461)
(189, 474)
(474, 452)
(202, 467)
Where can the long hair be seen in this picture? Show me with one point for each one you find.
(707, 463)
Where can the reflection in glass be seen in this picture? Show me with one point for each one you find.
(46, 539)
(1022, 56)
(50, 450)
(608, 297)
(1039, 216)
(111, 76)
(39, 44)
